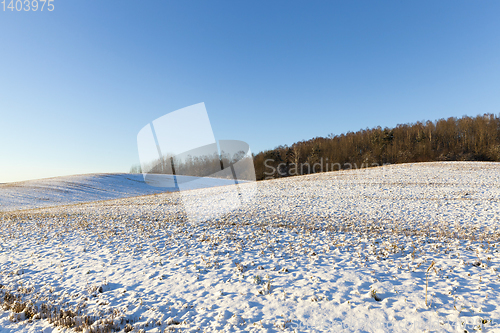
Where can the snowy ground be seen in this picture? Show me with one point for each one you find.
(343, 251)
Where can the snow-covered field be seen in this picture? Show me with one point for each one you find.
(344, 251)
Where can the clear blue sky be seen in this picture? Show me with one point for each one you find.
(78, 83)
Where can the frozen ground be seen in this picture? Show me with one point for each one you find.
(345, 251)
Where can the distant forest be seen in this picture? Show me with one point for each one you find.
(452, 139)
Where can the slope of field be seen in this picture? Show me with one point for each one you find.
(81, 188)
(401, 248)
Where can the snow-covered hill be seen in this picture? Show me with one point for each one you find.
(83, 188)
(403, 248)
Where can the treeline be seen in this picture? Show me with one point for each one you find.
(452, 139)
(200, 165)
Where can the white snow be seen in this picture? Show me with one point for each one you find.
(309, 254)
